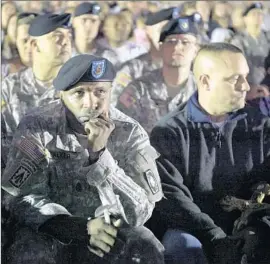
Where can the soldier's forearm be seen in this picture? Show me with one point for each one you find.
(137, 207)
(132, 196)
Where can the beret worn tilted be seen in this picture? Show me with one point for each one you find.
(251, 7)
(26, 14)
(157, 17)
(84, 68)
(87, 8)
(44, 24)
(182, 25)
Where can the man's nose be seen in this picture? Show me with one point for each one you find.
(90, 101)
(179, 45)
(244, 86)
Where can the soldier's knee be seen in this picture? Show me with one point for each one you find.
(33, 248)
(143, 245)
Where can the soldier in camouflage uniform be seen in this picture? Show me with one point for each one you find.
(77, 169)
(119, 45)
(149, 98)
(147, 62)
(51, 47)
(254, 42)
(23, 45)
(150, 61)
(86, 23)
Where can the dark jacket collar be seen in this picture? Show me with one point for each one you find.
(196, 114)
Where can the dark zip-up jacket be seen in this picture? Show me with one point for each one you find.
(201, 163)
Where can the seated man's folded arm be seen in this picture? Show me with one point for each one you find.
(135, 184)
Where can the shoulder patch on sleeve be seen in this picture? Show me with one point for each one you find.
(31, 150)
(127, 98)
(152, 181)
(123, 79)
(22, 173)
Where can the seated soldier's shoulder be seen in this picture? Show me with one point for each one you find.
(13, 82)
(175, 119)
(15, 76)
(125, 123)
(147, 81)
(44, 118)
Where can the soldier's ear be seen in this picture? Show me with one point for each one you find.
(205, 82)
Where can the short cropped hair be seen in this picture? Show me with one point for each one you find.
(218, 47)
(215, 49)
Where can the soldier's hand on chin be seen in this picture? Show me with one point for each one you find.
(98, 131)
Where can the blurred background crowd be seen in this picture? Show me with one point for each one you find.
(121, 25)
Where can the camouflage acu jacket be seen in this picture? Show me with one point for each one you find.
(131, 70)
(48, 170)
(146, 99)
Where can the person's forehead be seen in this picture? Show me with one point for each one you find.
(111, 18)
(202, 4)
(49, 35)
(231, 63)
(87, 85)
(9, 5)
(59, 30)
(255, 11)
(181, 36)
(89, 16)
(23, 29)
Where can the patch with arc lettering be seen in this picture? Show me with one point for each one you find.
(152, 181)
(184, 24)
(98, 69)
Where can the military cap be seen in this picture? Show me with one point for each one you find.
(26, 18)
(253, 6)
(84, 68)
(87, 8)
(157, 17)
(182, 25)
(44, 24)
(26, 14)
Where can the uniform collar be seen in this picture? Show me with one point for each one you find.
(66, 139)
(196, 114)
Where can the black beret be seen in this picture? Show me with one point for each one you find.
(157, 17)
(182, 25)
(26, 14)
(84, 68)
(253, 6)
(87, 8)
(44, 24)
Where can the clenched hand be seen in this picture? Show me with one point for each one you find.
(102, 235)
(98, 131)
